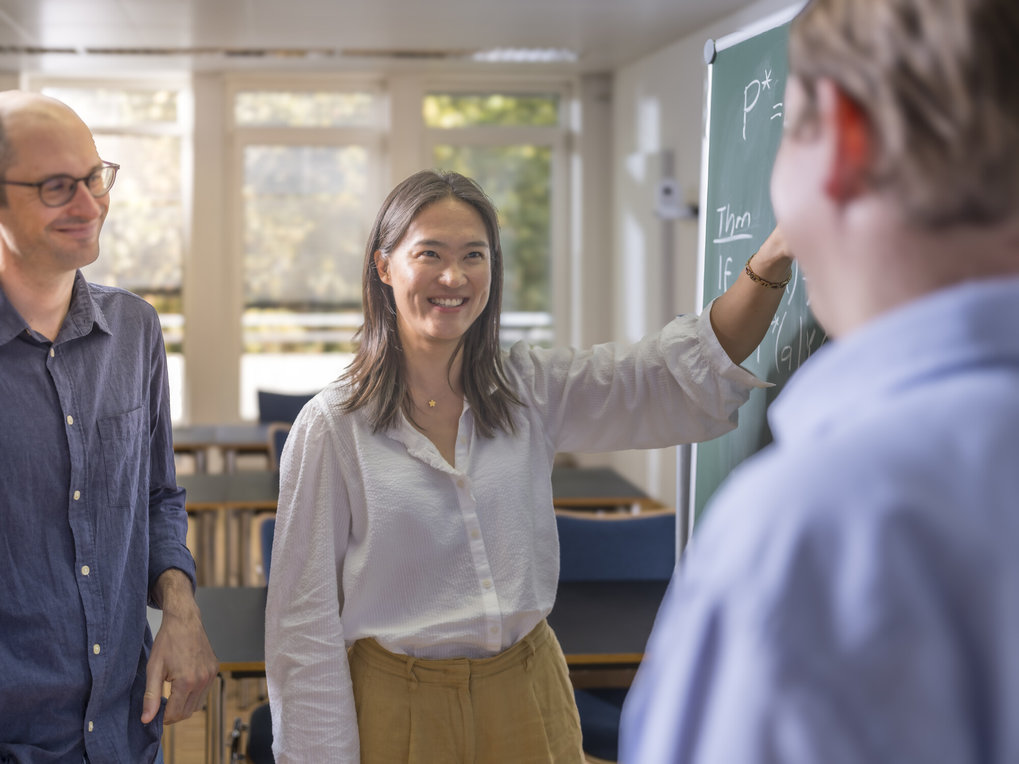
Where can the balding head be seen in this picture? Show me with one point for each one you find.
(20, 113)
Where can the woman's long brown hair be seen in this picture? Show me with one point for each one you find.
(376, 376)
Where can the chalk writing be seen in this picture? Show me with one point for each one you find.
(792, 335)
(731, 226)
(790, 354)
(752, 94)
(725, 273)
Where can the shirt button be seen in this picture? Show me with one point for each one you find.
(52, 353)
(95, 648)
(90, 726)
(77, 495)
(460, 483)
(85, 572)
(487, 583)
(494, 629)
(475, 534)
(70, 419)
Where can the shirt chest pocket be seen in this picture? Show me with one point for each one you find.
(123, 443)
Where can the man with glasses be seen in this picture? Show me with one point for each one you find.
(92, 523)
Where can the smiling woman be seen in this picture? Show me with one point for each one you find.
(415, 516)
(439, 273)
(432, 291)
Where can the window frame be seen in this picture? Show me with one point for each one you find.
(212, 170)
(558, 138)
(241, 136)
(173, 325)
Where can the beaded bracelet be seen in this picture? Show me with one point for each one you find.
(763, 281)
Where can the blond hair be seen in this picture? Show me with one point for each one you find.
(936, 80)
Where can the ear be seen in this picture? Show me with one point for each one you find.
(851, 142)
(382, 266)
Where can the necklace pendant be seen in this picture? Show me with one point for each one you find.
(431, 404)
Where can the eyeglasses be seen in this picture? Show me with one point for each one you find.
(58, 190)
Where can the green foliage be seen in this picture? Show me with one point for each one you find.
(300, 109)
(517, 180)
(306, 208)
(452, 110)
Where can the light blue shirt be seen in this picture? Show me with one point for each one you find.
(853, 594)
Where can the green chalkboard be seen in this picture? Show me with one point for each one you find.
(743, 129)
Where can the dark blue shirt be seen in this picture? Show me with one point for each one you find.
(90, 516)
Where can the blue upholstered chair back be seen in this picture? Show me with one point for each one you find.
(278, 432)
(266, 531)
(280, 407)
(639, 547)
(259, 746)
(612, 548)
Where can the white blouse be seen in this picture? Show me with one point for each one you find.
(378, 536)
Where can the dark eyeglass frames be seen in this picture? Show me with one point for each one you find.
(58, 190)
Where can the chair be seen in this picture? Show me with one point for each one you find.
(639, 547)
(280, 407)
(277, 435)
(616, 547)
(266, 533)
(259, 746)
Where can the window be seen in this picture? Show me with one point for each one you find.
(513, 145)
(142, 243)
(289, 175)
(311, 166)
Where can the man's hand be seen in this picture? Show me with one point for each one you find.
(181, 653)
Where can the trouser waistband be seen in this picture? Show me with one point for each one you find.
(454, 670)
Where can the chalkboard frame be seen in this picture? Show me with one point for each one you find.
(795, 334)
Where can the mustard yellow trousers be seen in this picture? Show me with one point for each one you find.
(513, 708)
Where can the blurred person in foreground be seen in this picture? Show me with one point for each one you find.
(415, 556)
(853, 594)
(92, 523)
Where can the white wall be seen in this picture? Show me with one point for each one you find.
(658, 109)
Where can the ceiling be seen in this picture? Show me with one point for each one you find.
(96, 35)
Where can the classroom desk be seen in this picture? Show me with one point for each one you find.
(232, 440)
(238, 496)
(597, 488)
(572, 487)
(602, 627)
(231, 499)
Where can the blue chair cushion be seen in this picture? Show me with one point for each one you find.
(632, 548)
(600, 710)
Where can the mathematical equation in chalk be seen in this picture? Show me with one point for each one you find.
(767, 89)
